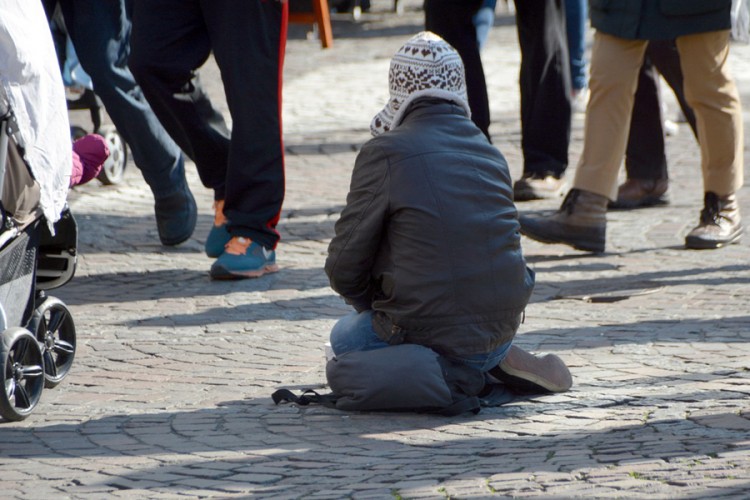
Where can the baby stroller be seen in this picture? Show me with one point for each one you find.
(37, 333)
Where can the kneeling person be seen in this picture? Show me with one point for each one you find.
(428, 248)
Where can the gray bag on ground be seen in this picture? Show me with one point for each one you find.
(404, 377)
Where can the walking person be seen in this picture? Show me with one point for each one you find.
(701, 34)
(647, 178)
(544, 84)
(100, 32)
(244, 167)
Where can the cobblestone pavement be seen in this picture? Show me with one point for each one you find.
(169, 395)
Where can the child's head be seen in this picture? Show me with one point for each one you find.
(426, 66)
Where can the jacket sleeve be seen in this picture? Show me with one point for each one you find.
(359, 230)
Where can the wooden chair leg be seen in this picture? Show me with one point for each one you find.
(323, 20)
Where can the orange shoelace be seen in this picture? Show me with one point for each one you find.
(238, 245)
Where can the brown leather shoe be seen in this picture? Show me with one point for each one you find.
(537, 187)
(720, 223)
(581, 222)
(635, 193)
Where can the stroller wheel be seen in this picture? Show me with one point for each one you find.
(55, 331)
(114, 167)
(22, 373)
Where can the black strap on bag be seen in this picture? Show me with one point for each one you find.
(309, 396)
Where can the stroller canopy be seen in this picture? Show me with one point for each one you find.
(31, 82)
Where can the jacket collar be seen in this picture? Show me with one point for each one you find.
(433, 106)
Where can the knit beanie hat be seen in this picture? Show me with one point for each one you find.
(425, 66)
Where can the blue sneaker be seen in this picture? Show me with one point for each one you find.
(243, 258)
(219, 235)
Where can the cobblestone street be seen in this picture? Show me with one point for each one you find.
(170, 392)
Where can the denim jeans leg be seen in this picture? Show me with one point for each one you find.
(354, 332)
(486, 362)
(100, 31)
(576, 14)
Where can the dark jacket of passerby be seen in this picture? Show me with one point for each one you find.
(429, 238)
(659, 19)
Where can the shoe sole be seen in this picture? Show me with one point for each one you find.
(577, 245)
(223, 274)
(643, 203)
(700, 244)
(525, 376)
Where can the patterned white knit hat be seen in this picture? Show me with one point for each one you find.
(425, 66)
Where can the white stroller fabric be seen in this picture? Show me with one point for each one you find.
(31, 81)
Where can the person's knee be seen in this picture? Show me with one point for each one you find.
(340, 331)
(354, 332)
(109, 80)
(337, 332)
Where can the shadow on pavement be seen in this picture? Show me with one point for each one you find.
(624, 286)
(176, 283)
(376, 446)
(138, 233)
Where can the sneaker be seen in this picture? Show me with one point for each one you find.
(243, 258)
(537, 187)
(176, 216)
(523, 372)
(219, 235)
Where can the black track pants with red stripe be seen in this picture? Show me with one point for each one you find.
(170, 40)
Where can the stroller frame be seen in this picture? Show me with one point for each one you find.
(37, 332)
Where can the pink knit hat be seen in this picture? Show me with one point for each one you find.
(89, 154)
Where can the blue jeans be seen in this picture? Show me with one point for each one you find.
(576, 14)
(100, 32)
(484, 19)
(354, 332)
